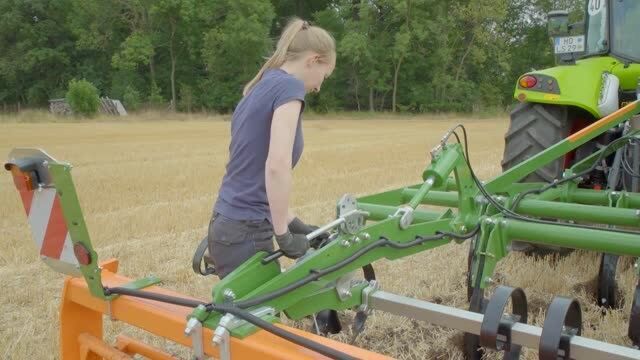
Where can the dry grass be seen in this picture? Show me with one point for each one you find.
(147, 185)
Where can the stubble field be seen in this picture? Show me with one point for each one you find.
(146, 187)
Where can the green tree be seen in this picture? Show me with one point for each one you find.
(83, 97)
(131, 98)
(36, 49)
(234, 50)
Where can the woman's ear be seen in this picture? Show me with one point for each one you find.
(313, 59)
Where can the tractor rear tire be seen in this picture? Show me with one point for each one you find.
(534, 128)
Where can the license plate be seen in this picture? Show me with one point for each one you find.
(569, 44)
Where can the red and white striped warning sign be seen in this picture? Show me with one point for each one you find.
(46, 220)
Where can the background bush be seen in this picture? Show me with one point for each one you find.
(83, 98)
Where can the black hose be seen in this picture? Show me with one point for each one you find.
(507, 213)
(294, 338)
(153, 296)
(240, 313)
(570, 178)
(316, 274)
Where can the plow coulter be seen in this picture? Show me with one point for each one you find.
(241, 319)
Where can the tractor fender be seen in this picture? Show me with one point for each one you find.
(581, 85)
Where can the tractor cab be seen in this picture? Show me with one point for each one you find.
(611, 28)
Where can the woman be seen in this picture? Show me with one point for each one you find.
(266, 144)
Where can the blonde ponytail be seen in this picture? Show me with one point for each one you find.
(297, 37)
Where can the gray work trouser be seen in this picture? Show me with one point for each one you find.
(232, 242)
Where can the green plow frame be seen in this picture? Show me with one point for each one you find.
(393, 224)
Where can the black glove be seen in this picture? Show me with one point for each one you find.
(292, 245)
(296, 226)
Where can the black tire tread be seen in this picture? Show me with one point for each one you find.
(533, 128)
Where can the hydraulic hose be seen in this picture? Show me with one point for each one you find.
(240, 313)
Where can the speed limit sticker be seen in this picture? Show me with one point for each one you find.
(595, 6)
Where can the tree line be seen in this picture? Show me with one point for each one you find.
(193, 55)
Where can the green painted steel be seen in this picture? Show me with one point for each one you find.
(62, 180)
(577, 212)
(572, 237)
(437, 198)
(317, 301)
(603, 197)
(382, 212)
(421, 193)
(61, 175)
(138, 284)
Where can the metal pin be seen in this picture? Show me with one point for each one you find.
(228, 294)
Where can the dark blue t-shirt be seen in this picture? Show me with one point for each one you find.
(243, 194)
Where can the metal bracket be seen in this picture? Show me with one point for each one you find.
(221, 337)
(406, 216)
(343, 286)
(347, 209)
(194, 331)
(366, 293)
(259, 312)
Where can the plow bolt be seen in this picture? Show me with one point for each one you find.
(228, 295)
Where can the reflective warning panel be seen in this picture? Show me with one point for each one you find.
(42, 205)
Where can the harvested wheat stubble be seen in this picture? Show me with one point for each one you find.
(147, 186)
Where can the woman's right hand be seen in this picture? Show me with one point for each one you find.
(292, 245)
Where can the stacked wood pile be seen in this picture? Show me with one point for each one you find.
(107, 106)
(59, 107)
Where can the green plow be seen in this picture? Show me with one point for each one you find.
(488, 216)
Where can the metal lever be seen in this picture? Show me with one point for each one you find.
(312, 235)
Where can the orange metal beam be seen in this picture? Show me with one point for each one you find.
(135, 347)
(82, 313)
(93, 348)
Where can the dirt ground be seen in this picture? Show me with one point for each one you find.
(147, 186)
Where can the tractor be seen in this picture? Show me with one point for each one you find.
(597, 72)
